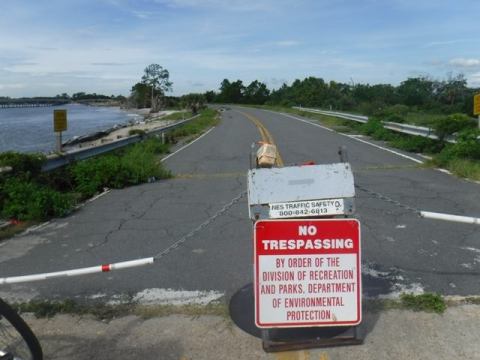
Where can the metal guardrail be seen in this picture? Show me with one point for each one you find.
(5, 169)
(62, 160)
(358, 118)
(398, 127)
(410, 129)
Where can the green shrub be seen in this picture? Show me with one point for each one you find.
(394, 118)
(155, 146)
(398, 109)
(92, 175)
(371, 126)
(24, 200)
(138, 165)
(59, 179)
(446, 126)
(444, 157)
(375, 129)
(371, 108)
(133, 166)
(467, 145)
(418, 144)
(23, 165)
(395, 113)
(383, 134)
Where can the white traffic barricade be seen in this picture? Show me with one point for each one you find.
(301, 191)
(307, 253)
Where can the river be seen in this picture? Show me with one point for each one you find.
(31, 129)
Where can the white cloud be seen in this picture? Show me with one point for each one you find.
(465, 63)
(12, 86)
(287, 43)
(232, 5)
(447, 42)
(474, 80)
(143, 14)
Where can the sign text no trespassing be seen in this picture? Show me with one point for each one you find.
(307, 273)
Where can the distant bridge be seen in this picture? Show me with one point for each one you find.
(31, 102)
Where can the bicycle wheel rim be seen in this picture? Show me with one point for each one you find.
(17, 341)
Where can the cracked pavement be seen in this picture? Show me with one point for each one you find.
(400, 251)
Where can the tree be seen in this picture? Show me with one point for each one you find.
(140, 95)
(193, 101)
(231, 92)
(454, 88)
(210, 96)
(256, 93)
(157, 78)
(416, 91)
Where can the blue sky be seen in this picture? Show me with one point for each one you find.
(49, 47)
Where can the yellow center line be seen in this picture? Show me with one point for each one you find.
(301, 355)
(265, 134)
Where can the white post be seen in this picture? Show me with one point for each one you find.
(59, 141)
(449, 217)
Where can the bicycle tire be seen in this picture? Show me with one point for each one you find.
(21, 329)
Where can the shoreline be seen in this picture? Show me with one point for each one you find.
(149, 122)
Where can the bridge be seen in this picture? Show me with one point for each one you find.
(31, 102)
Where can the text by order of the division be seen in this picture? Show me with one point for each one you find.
(308, 288)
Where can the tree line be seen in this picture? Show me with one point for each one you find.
(450, 95)
(422, 93)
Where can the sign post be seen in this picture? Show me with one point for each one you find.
(59, 125)
(307, 273)
(476, 107)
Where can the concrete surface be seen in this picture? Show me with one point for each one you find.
(393, 334)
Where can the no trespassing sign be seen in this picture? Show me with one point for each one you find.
(307, 273)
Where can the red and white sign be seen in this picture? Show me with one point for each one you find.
(307, 273)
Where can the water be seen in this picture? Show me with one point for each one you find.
(31, 129)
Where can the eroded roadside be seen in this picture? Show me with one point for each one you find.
(391, 334)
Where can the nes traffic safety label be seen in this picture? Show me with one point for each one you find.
(307, 273)
(306, 208)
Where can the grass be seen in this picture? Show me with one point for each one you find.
(464, 168)
(472, 300)
(48, 309)
(193, 310)
(177, 116)
(428, 302)
(206, 119)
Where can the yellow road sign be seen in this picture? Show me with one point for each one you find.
(476, 104)
(59, 120)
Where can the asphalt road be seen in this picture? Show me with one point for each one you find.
(401, 252)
